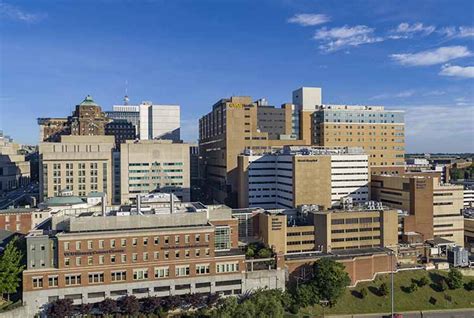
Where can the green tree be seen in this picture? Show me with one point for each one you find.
(383, 289)
(330, 280)
(423, 281)
(226, 308)
(250, 252)
(245, 310)
(11, 268)
(306, 295)
(454, 278)
(265, 253)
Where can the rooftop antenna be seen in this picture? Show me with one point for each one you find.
(126, 99)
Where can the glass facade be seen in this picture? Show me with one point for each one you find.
(222, 238)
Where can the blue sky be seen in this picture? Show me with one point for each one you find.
(413, 55)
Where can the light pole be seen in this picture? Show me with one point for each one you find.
(391, 279)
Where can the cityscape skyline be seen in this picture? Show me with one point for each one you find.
(415, 60)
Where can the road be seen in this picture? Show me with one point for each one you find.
(13, 197)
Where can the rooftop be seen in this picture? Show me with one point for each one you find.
(88, 101)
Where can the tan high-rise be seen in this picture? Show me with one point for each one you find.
(81, 164)
(237, 124)
(434, 209)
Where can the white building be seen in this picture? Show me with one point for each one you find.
(152, 121)
(303, 175)
(469, 197)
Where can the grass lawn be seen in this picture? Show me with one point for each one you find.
(425, 298)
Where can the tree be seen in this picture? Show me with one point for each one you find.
(268, 304)
(306, 296)
(172, 302)
(108, 306)
(10, 269)
(85, 309)
(454, 278)
(226, 308)
(265, 253)
(330, 280)
(470, 285)
(383, 289)
(151, 305)
(423, 281)
(363, 292)
(212, 299)
(60, 308)
(250, 252)
(245, 310)
(129, 305)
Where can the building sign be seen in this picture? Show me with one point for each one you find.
(183, 246)
(235, 105)
(93, 252)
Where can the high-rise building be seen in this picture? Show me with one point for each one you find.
(80, 164)
(298, 176)
(86, 120)
(237, 124)
(434, 209)
(151, 121)
(234, 125)
(14, 170)
(154, 165)
(122, 130)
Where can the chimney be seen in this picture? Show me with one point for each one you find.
(171, 203)
(139, 203)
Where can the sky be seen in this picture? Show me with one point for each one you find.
(412, 55)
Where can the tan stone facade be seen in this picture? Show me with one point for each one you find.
(82, 164)
(434, 209)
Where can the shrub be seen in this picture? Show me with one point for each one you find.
(423, 281)
(108, 306)
(60, 308)
(454, 278)
(383, 289)
(129, 305)
(470, 285)
(412, 288)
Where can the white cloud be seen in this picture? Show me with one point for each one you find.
(457, 71)
(406, 30)
(439, 128)
(432, 57)
(402, 94)
(343, 37)
(307, 19)
(15, 13)
(459, 32)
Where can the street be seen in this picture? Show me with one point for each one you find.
(13, 197)
(461, 313)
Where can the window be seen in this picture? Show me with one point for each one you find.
(90, 260)
(123, 257)
(73, 280)
(123, 242)
(67, 261)
(112, 243)
(145, 241)
(140, 274)
(176, 239)
(222, 238)
(101, 259)
(186, 253)
(161, 272)
(197, 252)
(78, 246)
(176, 254)
(96, 278)
(156, 255)
(101, 244)
(145, 256)
(134, 242)
(197, 237)
(207, 237)
(186, 238)
(182, 270)
(119, 276)
(208, 251)
(37, 282)
(134, 257)
(227, 267)
(66, 246)
(202, 269)
(112, 259)
(157, 240)
(89, 245)
(167, 239)
(52, 281)
(78, 261)
(167, 254)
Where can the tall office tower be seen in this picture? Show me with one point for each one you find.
(234, 125)
(434, 209)
(14, 170)
(299, 176)
(154, 165)
(122, 130)
(151, 121)
(378, 131)
(86, 120)
(81, 164)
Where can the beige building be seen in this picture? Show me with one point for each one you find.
(295, 176)
(154, 165)
(80, 164)
(14, 170)
(289, 232)
(434, 209)
(237, 124)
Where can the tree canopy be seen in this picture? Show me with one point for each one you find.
(11, 268)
